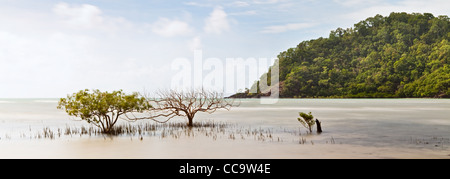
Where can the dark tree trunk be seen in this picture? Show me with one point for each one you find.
(190, 124)
(319, 127)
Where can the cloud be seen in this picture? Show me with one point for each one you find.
(84, 16)
(244, 13)
(352, 3)
(40, 65)
(287, 27)
(239, 4)
(195, 44)
(217, 22)
(265, 1)
(170, 28)
(49, 53)
(197, 4)
(88, 16)
(437, 7)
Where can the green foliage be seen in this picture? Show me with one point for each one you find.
(102, 108)
(307, 120)
(401, 55)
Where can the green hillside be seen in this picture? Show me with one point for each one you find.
(401, 55)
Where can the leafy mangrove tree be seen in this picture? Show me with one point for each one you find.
(102, 109)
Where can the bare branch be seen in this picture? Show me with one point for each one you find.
(171, 103)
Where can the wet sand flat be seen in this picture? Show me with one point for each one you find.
(353, 128)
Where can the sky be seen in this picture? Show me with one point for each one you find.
(49, 49)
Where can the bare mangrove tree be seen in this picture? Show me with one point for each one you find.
(171, 103)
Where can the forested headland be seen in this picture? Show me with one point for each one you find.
(400, 55)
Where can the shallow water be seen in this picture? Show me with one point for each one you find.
(353, 128)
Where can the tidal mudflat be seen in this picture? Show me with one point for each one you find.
(353, 128)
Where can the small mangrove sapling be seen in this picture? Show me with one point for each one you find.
(307, 121)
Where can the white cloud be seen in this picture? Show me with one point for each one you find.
(45, 64)
(197, 4)
(436, 7)
(240, 4)
(170, 28)
(53, 53)
(265, 1)
(88, 16)
(287, 27)
(217, 22)
(195, 44)
(350, 3)
(245, 13)
(84, 16)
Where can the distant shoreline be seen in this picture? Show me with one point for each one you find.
(258, 96)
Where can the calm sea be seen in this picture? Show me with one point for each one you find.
(353, 128)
